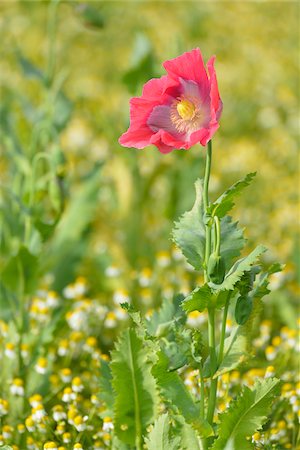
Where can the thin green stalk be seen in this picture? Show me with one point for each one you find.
(217, 235)
(205, 205)
(223, 329)
(213, 365)
(202, 408)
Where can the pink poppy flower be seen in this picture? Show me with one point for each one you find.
(179, 109)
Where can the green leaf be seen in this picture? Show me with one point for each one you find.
(105, 384)
(136, 398)
(246, 415)
(159, 437)
(176, 395)
(238, 269)
(20, 273)
(234, 352)
(143, 64)
(91, 15)
(225, 202)
(29, 69)
(198, 300)
(189, 436)
(162, 320)
(232, 240)
(173, 389)
(189, 232)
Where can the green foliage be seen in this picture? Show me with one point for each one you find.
(198, 300)
(92, 16)
(234, 352)
(20, 273)
(232, 240)
(143, 66)
(238, 269)
(246, 415)
(105, 381)
(159, 437)
(226, 201)
(189, 231)
(163, 320)
(243, 309)
(136, 398)
(176, 395)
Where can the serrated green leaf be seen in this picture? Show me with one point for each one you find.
(189, 436)
(232, 240)
(176, 395)
(136, 398)
(246, 415)
(225, 202)
(105, 384)
(238, 269)
(189, 232)
(198, 299)
(159, 439)
(173, 389)
(162, 320)
(234, 352)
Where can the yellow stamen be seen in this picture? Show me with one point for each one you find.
(185, 109)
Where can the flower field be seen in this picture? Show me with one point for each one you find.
(135, 312)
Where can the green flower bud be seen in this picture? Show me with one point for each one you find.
(243, 309)
(216, 268)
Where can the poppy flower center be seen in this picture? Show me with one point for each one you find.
(186, 109)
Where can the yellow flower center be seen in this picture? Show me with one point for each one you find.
(185, 109)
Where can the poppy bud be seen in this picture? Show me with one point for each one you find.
(216, 268)
(243, 309)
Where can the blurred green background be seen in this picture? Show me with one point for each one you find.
(120, 203)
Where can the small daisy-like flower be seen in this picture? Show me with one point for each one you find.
(90, 344)
(66, 438)
(112, 271)
(107, 424)
(270, 372)
(145, 277)
(68, 395)
(66, 375)
(7, 431)
(79, 423)
(121, 296)
(17, 387)
(35, 400)
(80, 286)
(41, 366)
(77, 446)
(69, 291)
(38, 413)
(77, 385)
(163, 258)
(121, 314)
(10, 350)
(25, 351)
(271, 353)
(3, 407)
(110, 321)
(30, 424)
(21, 428)
(52, 299)
(60, 428)
(195, 318)
(63, 347)
(50, 445)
